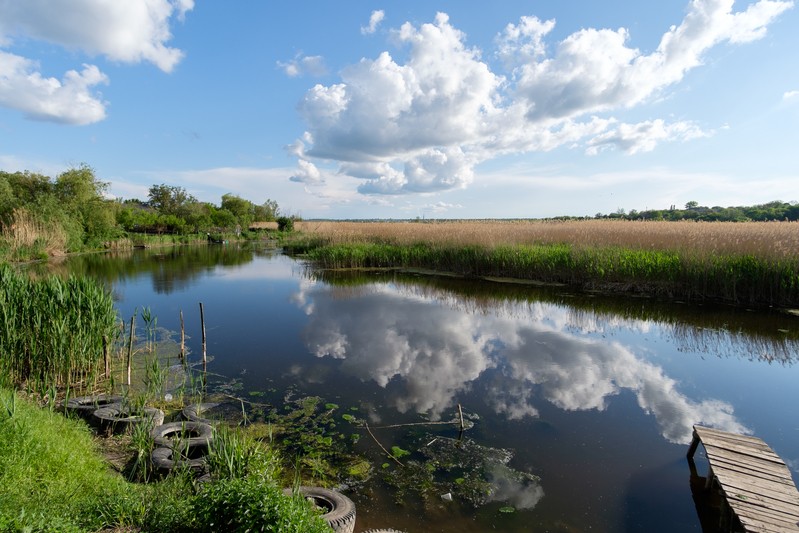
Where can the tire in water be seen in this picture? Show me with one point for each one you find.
(340, 511)
(182, 434)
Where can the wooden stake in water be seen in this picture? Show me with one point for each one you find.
(182, 338)
(105, 357)
(202, 323)
(130, 344)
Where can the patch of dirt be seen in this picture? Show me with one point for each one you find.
(116, 450)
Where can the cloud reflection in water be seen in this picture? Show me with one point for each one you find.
(438, 351)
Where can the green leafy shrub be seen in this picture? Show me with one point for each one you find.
(285, 224)
(248, 504)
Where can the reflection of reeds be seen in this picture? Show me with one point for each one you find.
(751, 263)
(51, 330)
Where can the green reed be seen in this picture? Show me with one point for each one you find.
(739, 278)
(51, 330)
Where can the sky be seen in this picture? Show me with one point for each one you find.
(412, 109)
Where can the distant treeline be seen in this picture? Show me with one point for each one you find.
(41, 216)
(776, 210)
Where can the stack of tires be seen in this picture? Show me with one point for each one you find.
(181, 445)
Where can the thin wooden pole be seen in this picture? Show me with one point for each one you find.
(202, 323)
(105, 357)
(130, 344)
(182, 338)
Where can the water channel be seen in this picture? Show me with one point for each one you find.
(580, 406)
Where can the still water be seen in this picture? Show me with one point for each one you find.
(588, 400)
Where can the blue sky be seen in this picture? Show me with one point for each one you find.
(448, 109)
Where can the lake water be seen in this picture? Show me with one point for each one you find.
(594, 397)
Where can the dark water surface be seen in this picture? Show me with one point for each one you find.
(594, 395)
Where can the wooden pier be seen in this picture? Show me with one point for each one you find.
(756, 488)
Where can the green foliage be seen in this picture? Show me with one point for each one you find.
(398, 452)
(285, 224)
(248, 504)
(74, 205)
(51, 330)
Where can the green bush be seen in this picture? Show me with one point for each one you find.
(285, 224)
(249, 504)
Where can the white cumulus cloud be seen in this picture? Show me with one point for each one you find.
(423, 123)
(374, 21)
(129, 31)
(69, 100)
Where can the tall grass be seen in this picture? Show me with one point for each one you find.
(52, 329)
(51, 479)
(744, 263)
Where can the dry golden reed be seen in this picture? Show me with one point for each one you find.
(25, 231)
(767, 240)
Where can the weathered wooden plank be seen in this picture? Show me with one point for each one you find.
(753, 512)
(770, 476)
(756, 520)
(779, 491)
(761, 453)
(752, 463)
(706, 431)
(753, 498)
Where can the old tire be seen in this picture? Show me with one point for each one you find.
(165, 460)
(194, 412)
(340, 513)
(85, 406)
(182, 434)
(118, 419)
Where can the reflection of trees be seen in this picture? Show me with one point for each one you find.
(171, 268)
(716, 330)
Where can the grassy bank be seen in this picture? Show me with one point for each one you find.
(52, 478)
(752, 264)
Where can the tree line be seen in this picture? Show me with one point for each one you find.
(74, 211)
(776, 210)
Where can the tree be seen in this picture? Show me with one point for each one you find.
(242, 209)
(82, 197)
(170, 199)
(267, 211)
(692, 205)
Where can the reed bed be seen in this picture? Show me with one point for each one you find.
(52, 330)
(762, 239)
(745, 263)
